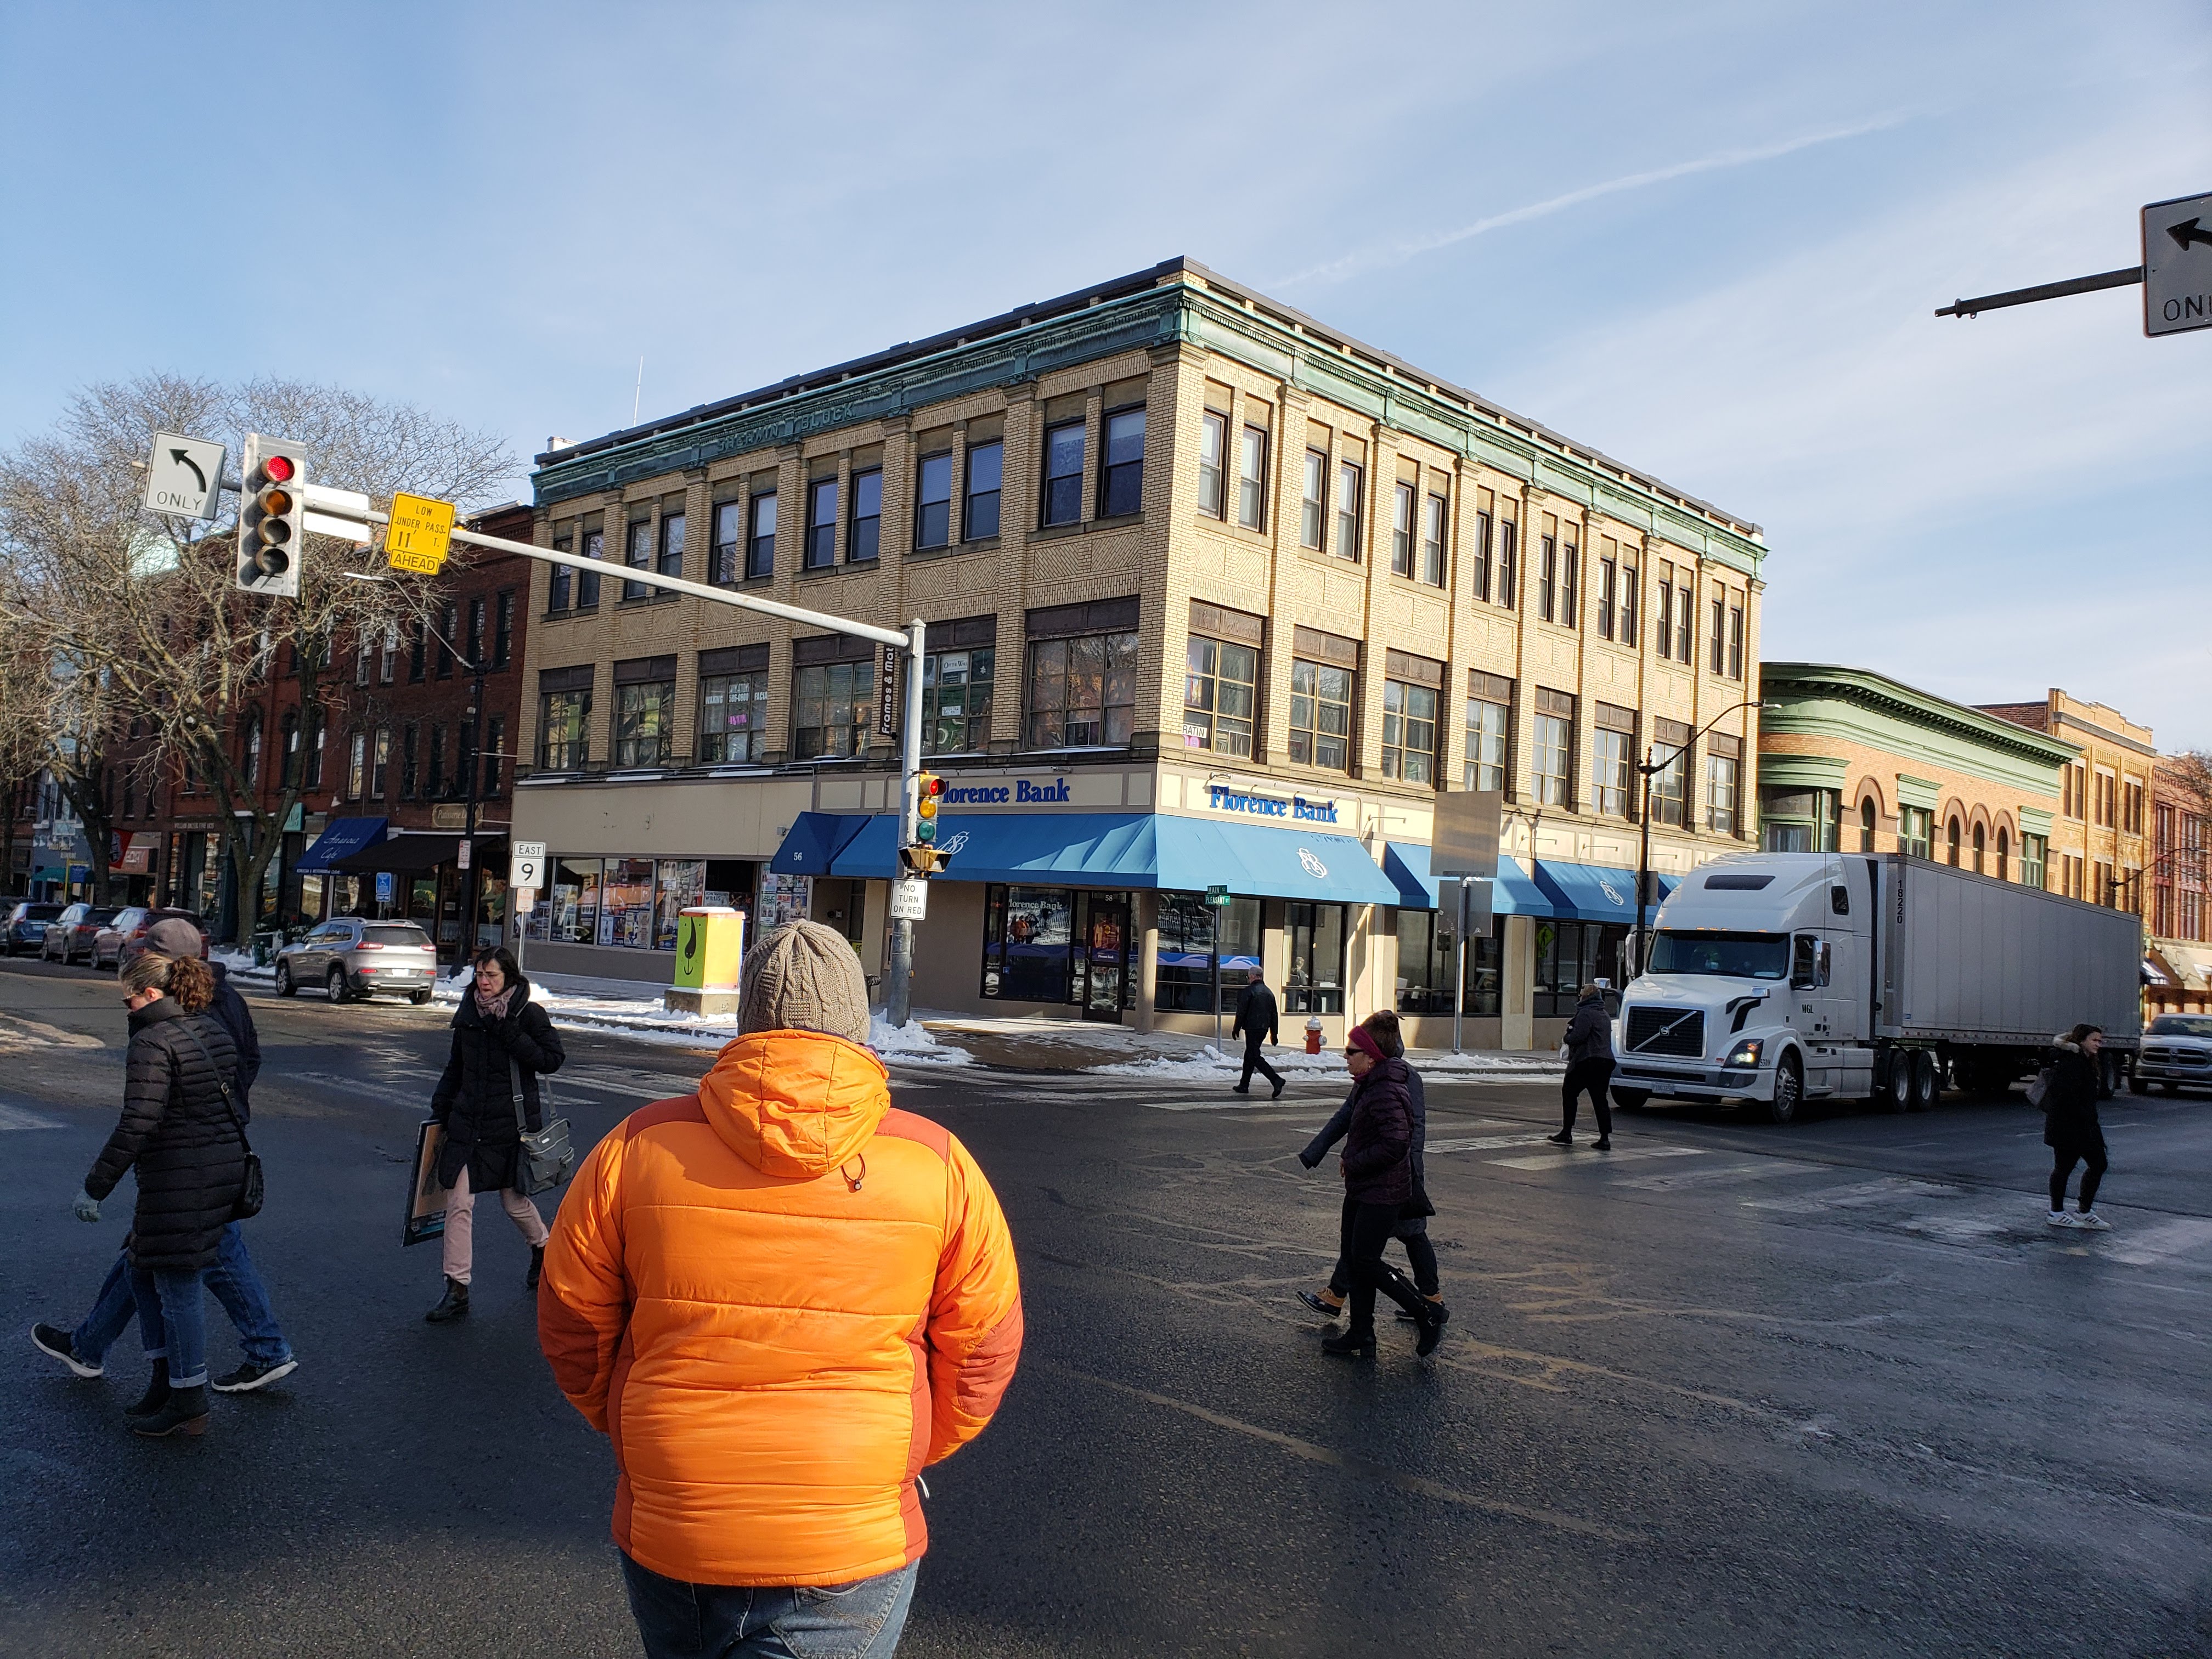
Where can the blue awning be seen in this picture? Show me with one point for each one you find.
(1099, 849)
(1512, 893)
(1594, 892)
(341, 838)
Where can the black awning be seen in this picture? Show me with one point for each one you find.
(404, 854)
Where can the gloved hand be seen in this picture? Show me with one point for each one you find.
(87, 1208)
(1311, 1162)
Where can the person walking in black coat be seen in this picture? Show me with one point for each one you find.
(1413, 1228)
(181, 1135)
(503, 1042)
(1378, 1184)
(1590, 1069)
(1257, 1018)
(2070, 1126)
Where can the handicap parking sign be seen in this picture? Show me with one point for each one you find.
(384, 887)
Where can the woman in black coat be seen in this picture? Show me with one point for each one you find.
(2070, 1127)
(186, 1144)
(1378, 1184)
(502, 1044)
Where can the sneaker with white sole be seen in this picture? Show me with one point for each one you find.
(2060, 1218)
(250, 1376)
(54, 1341)
(2089, 1221)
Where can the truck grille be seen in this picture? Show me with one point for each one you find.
(2196, 1057)
(1687, 1038)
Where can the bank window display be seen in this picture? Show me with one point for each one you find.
(1197, 939)
(645, 712)
(732, 718)
(1489, 719)
(1220, 684)
(1804, 821)
(1083, 691)
(1409, 731)
(1315, 982)
(1426, 952)
(1554, 749)
(1029, 935)
(956, 700)
(1569, 956)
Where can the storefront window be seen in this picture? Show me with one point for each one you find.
(1720, 793)
(569, 914)
(626, 908)
(1569, 956)
(683, 882)
(1027, 931)
(1187, 944)
(1314, 984)
(1425, 953)
(1218, 696)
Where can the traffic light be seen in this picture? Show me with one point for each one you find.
(928, 786)
(268, 517)
(921, 859)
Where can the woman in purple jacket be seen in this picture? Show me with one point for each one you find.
(1379, 1179)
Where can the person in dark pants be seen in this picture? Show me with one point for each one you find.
(1258, 1019)
(1378, 1184)
(2070, 1127)
(1413, 1228)
(234, 1280)
(1588, 1044)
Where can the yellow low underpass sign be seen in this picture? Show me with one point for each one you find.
(419, 535)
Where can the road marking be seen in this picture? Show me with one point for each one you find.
(1483, 1143)
(1566, 1155)
(15, 1117)
(18, 1031)
(2156, 1245)
(1859, 1195)
(1772, 1169)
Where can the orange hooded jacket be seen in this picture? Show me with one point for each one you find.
(781, 1298)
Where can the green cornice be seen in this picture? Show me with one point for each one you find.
(1819, 700)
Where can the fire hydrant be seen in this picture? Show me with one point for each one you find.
(1313, 1035)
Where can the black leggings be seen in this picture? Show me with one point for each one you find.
(1420, 1256)
(2063, 1160)
(1367, 1229)
(1590, 1075)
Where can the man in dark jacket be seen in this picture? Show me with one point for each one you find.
(1256, 1018)
(1590, 1068)
(234, 1280)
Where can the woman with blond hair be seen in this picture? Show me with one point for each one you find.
(180, 1133)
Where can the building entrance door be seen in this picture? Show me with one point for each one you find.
(1105, 956)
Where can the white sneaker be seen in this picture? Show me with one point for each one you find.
(2090, 1221)
(2060, 1218)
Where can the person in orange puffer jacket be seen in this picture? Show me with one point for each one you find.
(782, 1298)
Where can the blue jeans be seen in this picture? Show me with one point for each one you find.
(184, 1322)
(236, 1284)
(678, 1621)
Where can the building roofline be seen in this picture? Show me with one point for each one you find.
(1867, 685)
(1178, 270)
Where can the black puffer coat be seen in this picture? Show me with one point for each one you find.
(1416, 1109)
(177, 1133)
(475, 1098)
(1378, 1144)
(2069, 1102)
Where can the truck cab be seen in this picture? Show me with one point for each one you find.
(1756, 986)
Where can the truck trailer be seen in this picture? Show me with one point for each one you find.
(1782, 978)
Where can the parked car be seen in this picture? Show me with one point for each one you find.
(2177, 1049)
(26, 927)
(124, 939)
(72, 933)
(354, 957)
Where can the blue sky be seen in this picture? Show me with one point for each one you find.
(1705, 238)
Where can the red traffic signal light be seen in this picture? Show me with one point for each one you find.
(278, 468)
(270, 522)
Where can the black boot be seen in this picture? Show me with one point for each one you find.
(157, 1392)
(1350, 1345)
(184, 1412)
(451, 1305)
(537, 1265)
(1432, 1317)
(1565, 1137)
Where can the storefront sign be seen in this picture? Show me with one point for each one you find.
(1020, 792)
(1268, 807)
(887, 678)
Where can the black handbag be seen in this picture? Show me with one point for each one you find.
(250, 1193)
(546, 1157)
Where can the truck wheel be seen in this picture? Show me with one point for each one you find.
(1894, 1088)
(1789, 1091)
(2141, 1085)
(1631, 1100)
(1923, 1083)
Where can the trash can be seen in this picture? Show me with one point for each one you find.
(710, 943)
(265, 947)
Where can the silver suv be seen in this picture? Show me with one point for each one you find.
(2176, 1049)
(353, 957)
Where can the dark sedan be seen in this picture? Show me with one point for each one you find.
(124, 938)
(74, 932)
(26, 927)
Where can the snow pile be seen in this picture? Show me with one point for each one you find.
(912, 1042)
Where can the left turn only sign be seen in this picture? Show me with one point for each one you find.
(419, 535)
(184, 476)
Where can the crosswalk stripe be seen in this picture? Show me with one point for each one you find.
(2158, 1243)
(1485, 1143)
(1773, 1169)
(15, 1117)
(1567, 1155)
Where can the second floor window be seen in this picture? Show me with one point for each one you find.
(1612, 787)
(410, 771)
(956, 700)
(497, 732)
(1670, 784)
(437, 762)
(1721, 785)
(760, 542)
(1219, 685)
(1489, 718)
(1555, 759)
(449, 623)
(1409, 731)
(380, 762)
(1121, 481)
(863, 541)
(821, 524)
(1063, 473)
(564, 719)
(1083, 691)
(645, 723)
(831, 704)
(933, 501)
(732, 718)
(502, 632)
(1320, 715)
(1252, 479)
(979, 517)
(1350, 480)
(1213, 481)
(1310, 502)
(476, 633)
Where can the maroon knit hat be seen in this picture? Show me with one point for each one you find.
(1364, 1039)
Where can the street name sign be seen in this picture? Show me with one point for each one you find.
(1217, 897)
(909, 899)
(183, 477)
(419, 535)
(2176, 250)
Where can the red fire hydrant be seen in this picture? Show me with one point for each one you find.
(1313, 1035)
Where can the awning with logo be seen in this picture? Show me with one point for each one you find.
(341, 838)
(1595, 892)
(1100, 849)
(1511, 894)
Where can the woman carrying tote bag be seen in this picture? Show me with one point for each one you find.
(503, 1042)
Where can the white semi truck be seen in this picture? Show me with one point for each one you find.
(1782, 978)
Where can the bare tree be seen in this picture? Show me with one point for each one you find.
(144, 610)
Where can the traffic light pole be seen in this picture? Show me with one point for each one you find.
(898, 979)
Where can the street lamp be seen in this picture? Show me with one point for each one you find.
(1649, 768)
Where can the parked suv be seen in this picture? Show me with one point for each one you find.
(124, 939)
(26, 927)
(73, 933)
(351, 956)
(2176, 1049)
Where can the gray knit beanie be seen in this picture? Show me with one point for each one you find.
(804, 977)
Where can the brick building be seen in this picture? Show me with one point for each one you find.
(2100, 840)
(1854, 761)
(2177, 914)
(1215, 595)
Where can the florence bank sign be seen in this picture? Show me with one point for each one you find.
(1222, 799)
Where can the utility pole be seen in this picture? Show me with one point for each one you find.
(898, 981)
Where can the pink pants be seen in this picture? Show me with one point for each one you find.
(461, 1224)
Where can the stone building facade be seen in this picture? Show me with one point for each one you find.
(2100, 840)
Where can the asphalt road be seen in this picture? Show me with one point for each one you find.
(1831, 1390)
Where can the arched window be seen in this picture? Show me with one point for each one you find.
(2004, 848)
(1981, 840)
(1866, 825)
(1951, 843)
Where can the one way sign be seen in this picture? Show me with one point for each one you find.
(2177, 243)
(183, 478)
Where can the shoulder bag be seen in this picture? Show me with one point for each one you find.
(249, 1194)
(547, 1158)
(2039, 1089)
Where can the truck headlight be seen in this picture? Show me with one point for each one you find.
(1746, 1053)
